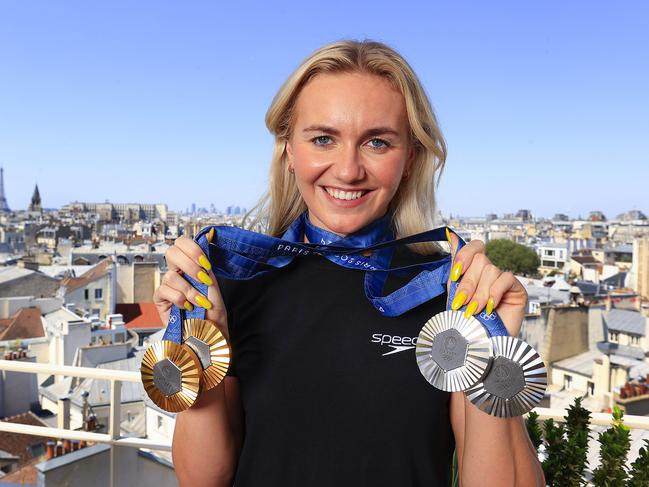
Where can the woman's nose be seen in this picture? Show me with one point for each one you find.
(348, 166)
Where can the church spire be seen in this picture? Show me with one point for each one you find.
(35, 205)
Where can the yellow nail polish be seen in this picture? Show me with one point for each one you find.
(188, 306)
(455, 273)
(203, 301)
(471, 309)
(448, 236)
(458, 300)
(490, 306)
(202, 260)
(205, 279)
(210, 235)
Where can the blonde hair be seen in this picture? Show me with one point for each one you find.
(413, 206)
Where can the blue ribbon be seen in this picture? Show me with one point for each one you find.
(239, 254)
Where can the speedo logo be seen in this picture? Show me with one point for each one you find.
(395, 342)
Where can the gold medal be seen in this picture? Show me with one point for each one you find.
(211, 347)
(171, 374)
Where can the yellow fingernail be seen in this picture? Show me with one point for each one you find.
(210, 235)
(202, 260)
(204, 278)
(188, 306)
(448, 236)
(490, 306)
(458, 300)
(455, 273)
(203, 301)
(471, 309)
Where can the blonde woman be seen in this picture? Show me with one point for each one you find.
(323, 389)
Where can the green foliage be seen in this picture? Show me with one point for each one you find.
(533, 429)
(513, 257)
(552, 465)
(615, 444)
(575, 448)
(639, 473)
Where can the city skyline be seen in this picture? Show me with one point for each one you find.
(543, 106)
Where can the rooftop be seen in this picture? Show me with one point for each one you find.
(625, 321)
(139, 315)
(25, 323)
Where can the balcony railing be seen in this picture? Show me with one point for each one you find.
(113, 437)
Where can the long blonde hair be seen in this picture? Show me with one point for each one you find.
(413, 206)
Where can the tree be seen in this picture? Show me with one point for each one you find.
(513, 257)
(554, 441)
(575, 449)
(639, 473)
(615, 444)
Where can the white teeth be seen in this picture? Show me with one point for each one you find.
(344, 195)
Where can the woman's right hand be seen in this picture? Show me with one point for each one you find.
(185, 256)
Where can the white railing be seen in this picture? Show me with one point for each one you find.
(116, 377)
(113, 437)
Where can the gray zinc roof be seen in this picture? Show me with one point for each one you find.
(625, 321)
(581, 364)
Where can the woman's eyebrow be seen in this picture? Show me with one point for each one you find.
(369, 132)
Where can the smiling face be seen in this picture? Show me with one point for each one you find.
(349, 147)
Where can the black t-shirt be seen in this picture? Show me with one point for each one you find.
(331, 391)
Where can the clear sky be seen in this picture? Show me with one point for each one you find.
(544, 105)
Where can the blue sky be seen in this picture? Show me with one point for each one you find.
(544, 105)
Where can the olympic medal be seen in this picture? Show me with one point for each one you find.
(211, 347)
(171, 375)
(453, 352)
(515, 382)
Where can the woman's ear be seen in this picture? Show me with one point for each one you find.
(289, 150)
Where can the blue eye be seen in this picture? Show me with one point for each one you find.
(383, 143)
(321, 140)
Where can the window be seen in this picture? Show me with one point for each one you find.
(37, 450)
(86, 294)
(590, 388)
(635, 340)
(549, 253)
(567, 382)
(98, 293)
(613, 336)
(159, 422)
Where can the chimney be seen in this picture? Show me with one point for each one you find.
(609, 302)
(59, 450)
(67, 446)
(50, 449)
(63, 413)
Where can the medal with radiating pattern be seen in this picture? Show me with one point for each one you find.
(453, 352)
(516, 381)
(174, 375)
(211, 347)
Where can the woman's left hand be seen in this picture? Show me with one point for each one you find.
(485, 285)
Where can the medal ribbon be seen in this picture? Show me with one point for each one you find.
(241, 254)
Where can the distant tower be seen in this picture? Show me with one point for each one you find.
(4, 206)
(35, 205)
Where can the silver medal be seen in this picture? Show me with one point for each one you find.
(516, 381)
(453, 352)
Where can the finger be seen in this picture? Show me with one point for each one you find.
(464, 256)
(179, 261)
(171, 295)
(501, 285)
(194, 251)
(490, 273)
(469, 283)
